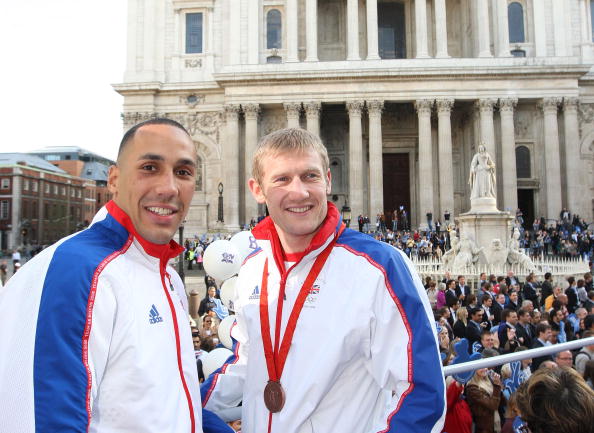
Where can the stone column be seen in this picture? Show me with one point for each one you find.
(485, 107)
(502, 29)
(446, 167)
(292, 31)
(540, 36)
(372, 32)
(250, 112)
(311, 30)
(482, 10)
(441, 29)
(353, 30)
(508, 176)
(421, 28)
(573, 172)
(559, 28)
(231, 158)
(424, 107)
(234, 37)
(376, 170)
(312, 113)
(552, 174)
(293, 110)
(355, 158)
(253, 32)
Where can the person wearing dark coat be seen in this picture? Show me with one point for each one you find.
(543, 332)
(546, 289)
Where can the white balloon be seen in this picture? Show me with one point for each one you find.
(224, 331)
(245, 243)
(214, 360)
(228, 293)
(221, 260)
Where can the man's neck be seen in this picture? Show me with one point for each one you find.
(294, 244)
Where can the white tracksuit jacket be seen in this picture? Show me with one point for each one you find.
(364, 357)
(94, 337)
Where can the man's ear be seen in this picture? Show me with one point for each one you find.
(328, 182)
(256, 191)
(112, 180)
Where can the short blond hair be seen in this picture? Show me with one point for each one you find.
(294, 140)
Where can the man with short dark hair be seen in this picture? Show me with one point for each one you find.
(462, 289)
(475, 327)
(546, 289)
(523, 328)
(509, 318)
(543, 337)
(589, 304)
(106, 345)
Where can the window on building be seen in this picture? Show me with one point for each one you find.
(193, 33)
(72, 192)
(5, 183)
(515, 20)
(63, 190)
(26, 185)
(518, 53)
(523, 169)
(56, 189)
(25, 209)
(47, 188)
(274, 29)
(79, 193)
(199, 185)
(391, 30)
(34, 185)
(274, 59)
(4, 209)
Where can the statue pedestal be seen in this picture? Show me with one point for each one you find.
(482, 227)
(483, 205)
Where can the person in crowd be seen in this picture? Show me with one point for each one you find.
(524, 330)
(308, 256)
(529, 289)
(572, 295)
(557, 291)
(511, 279)
(208, 304)
(512, 415)
(564, 359)
(509, 317)
(463, 290)
(483, 394)
(546, 288)
(558, 325)
(581, 291)
(471, 301)
(3, 272)
(512, 303)
(453, 307)
(209, 326)
(461, 323)
(585, 354)
(474, 327)
(443, 317)
(64, 374)
(527, 305)
(497, 308)
(543, 337)
(458, 417)
(432, 294)
(556, 400)
(450, 292)
(589, 373)
(441, 296)
(589, 304)
(486, 306)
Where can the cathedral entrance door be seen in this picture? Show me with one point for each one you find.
(396, 185)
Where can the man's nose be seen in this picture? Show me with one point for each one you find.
(166, 185)
(298, 187)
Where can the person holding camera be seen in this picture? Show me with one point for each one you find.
(483, 393)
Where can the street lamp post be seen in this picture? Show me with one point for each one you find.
(220, 217)
(346, 213)
(180, 262)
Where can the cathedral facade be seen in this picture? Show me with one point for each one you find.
(402, 92)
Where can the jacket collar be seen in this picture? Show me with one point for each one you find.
(163, 252)
(266, 230)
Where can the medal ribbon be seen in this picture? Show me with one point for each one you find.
(275, 360)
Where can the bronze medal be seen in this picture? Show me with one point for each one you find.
(274, 396)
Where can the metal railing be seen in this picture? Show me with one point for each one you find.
(516, 356)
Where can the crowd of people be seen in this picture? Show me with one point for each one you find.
(503, 316)
(569, 237)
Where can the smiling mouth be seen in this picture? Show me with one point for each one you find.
(161, 211)
(299, 209)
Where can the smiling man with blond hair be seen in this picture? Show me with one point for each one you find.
(334, 329)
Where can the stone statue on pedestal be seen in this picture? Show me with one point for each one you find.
(482, 174)
(468, 253)
(449, 256)
(498, 253)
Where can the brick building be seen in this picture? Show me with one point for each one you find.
(39, 202)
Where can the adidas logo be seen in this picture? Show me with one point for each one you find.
(154, 316)
(256, 293)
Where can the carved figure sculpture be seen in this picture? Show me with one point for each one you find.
(498, 253)
(515, 254)
(482, 174)
(448, 257)
(467, 253)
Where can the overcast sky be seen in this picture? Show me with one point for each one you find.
(59, 59)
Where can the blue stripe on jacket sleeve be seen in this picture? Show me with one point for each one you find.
(207, 387)
(422, 408)
(60, 377)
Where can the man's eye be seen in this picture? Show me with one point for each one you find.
(184, 172)
(149, 167)
(281, 179)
